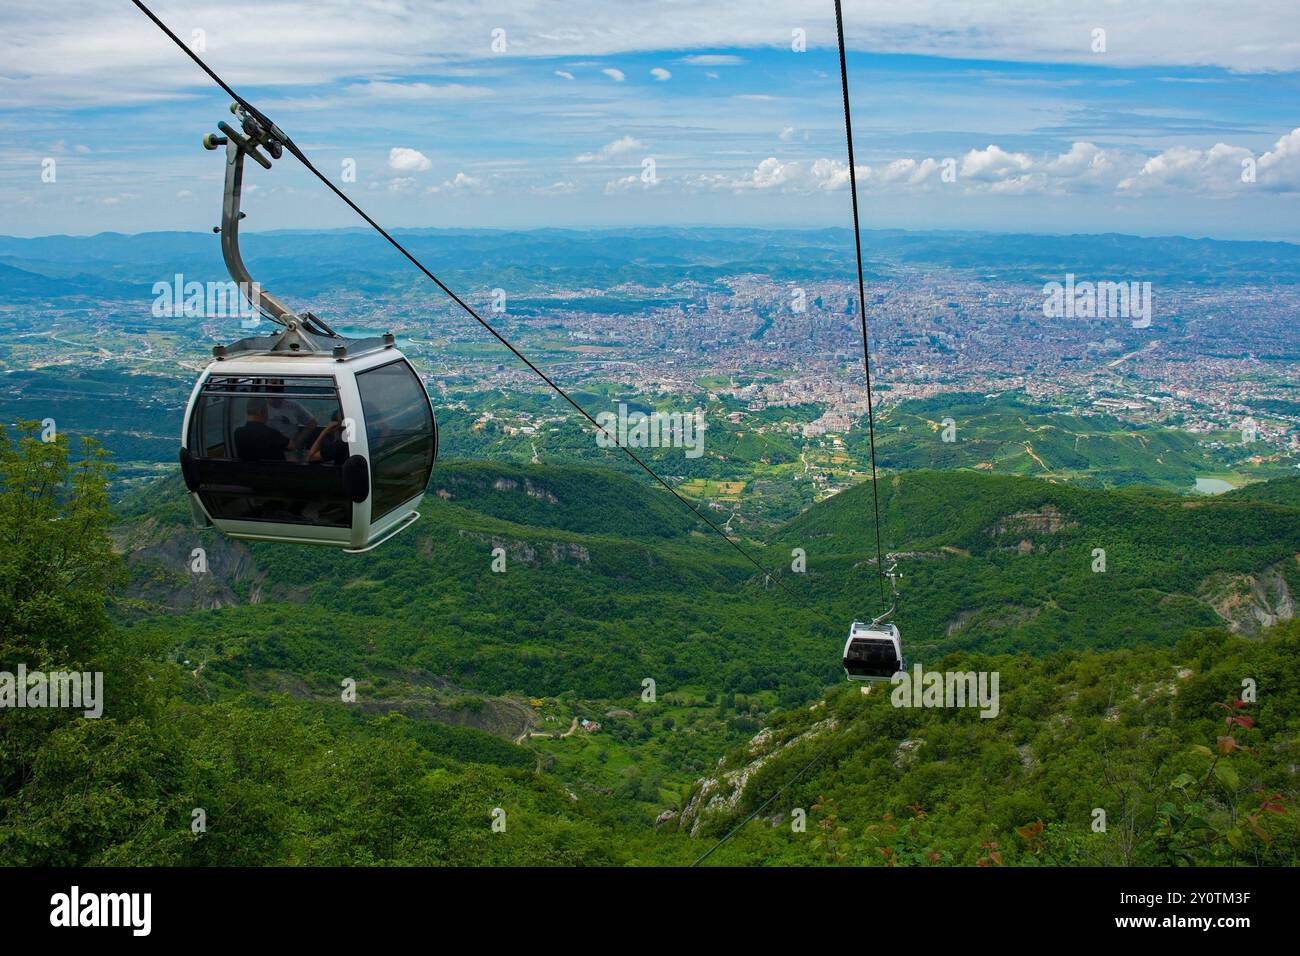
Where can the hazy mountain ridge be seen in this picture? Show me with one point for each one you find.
(304, 262)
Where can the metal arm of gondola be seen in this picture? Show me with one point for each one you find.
(238, 145)
(892, 573)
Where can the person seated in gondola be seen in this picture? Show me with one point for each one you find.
(255, 440)
(291, 419)
(329, 448)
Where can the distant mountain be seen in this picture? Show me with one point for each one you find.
(304, 263)
(22, 285)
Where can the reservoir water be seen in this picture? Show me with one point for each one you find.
(1212, 486)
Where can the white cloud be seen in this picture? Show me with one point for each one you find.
(993, 163)
(115, 56)
(629, 183)
(1279, 168)
(787, 134)
(994, 170)
(713, 59)
(831, 174)
(462, 183)
(660, 74)
(1080, 160)
(376, 92)
(773, 174)
(616, 75)
(407, 160)
(618, 147)
(559, 188)
(385, 90)
(1183, 169)
(564, 73)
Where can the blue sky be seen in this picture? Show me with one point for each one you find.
(1036, 129)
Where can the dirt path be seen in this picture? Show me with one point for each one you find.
(546, 733)
(1030, 449)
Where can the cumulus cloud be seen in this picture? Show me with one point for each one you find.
(564, 73)
(660, 74)
(833, 174)
(1181, 168)
(772, 172)
(461, 183)
(993, 163)
(633, 181)
(775, 175)
(1279, 168)
(909, 172)
(407, 160)
(1220, 170)
(1084, 165)
(618, 76)
(994, 170)
(611, 150)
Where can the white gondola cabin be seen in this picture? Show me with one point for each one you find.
(873, 652)
(302, 436)
(311, 448)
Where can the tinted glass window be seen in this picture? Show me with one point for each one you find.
(271, 449)
(399, 428)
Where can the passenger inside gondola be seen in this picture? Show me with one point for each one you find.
(329, 446)
(255, 440)
(290, 418)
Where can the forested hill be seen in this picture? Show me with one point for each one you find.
(1119, 758)
(996, 562)
(468, 683)
(608, 579)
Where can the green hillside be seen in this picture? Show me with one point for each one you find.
(1013, 434)
(1001, 563)
(1140, 736)
(229, 690)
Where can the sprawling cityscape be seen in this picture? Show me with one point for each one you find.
(773, 362)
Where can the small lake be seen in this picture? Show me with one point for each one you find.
(1212, 486)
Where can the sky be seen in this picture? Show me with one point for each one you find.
(1055, 116)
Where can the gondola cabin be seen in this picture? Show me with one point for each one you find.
(873, 652)
(303, 436)
(327, 445)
